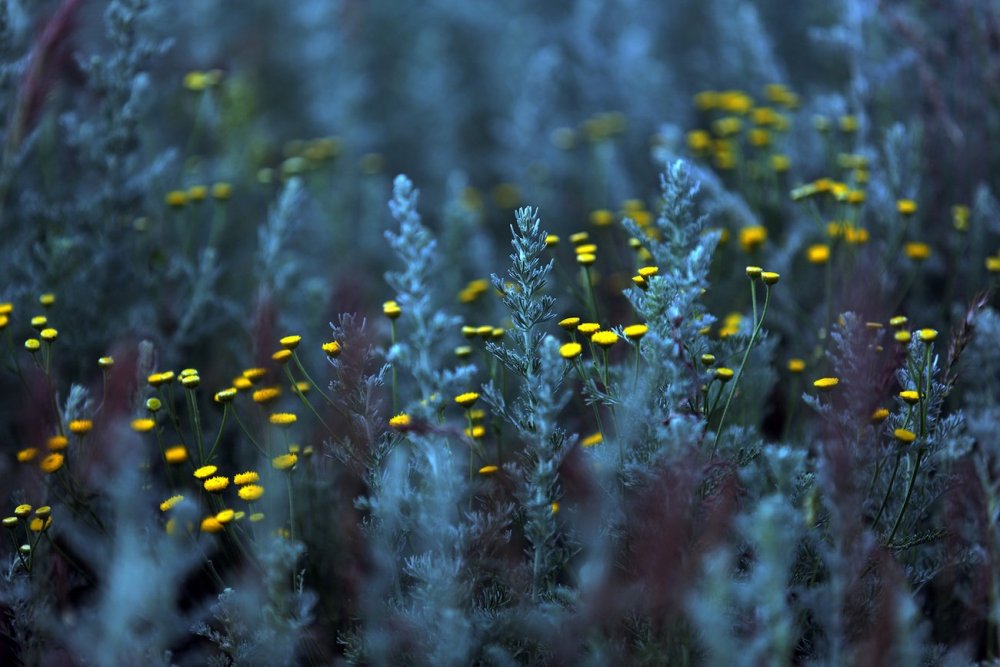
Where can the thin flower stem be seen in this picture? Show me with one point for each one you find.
(906, 498)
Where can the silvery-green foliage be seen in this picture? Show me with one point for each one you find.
(265, 624)
(275, 261)
(424, 324)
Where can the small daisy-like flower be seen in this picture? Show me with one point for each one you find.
(284, 461)
(216, 484)
(4, 320)
(588, 328)
(211, 525)
(153, 404)
(283, 418)
(796, 365)
(904, 435)
(906, 206)
(400, 422)
(724, 374)
(266, 395)
(198, 192)
(818, 253)
(205, 472)
(640, 282)
(170, 503)
(176, 198)
(636, 331)
(918, 252)
(49, 334)
(770, 277)
(47, 299)
(910, 396)
(10, 522)
(257, 517)
(585, 249)
(826, 384)
(707, 359)
(601, 217)
(251, 492)
(175, 454)
(144, 425)
(43, 511)
(467, 399)
(488, 470)
(290, 342)
(40, 524)
(551, 240)
(586, 259)
(928, 335)
(391, 310)
(281, 356)
(27, 454)
(6, 308)
(604, 339)
(225, 516)
(332, 349)
(569, 323)
(751, 238)
(32, 345)
(80, 426)
(241, 383)
(476, 432)
(248, 477)
(463, 351)
(570, 350)
(190, 381)
(754, 272)
(254, 374)
(52, 462)
(648, 271)
(57, 443)
(485, 331)
(39, 322)
(902, 336)
(898, 321)
(22, 510)
(222, 191)
(225, 396)
(592, 440)
(579, 237)
(879, 415)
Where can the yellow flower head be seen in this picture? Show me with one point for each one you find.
(266, 395)
(176, 198)
(175, 454)
(205, 472)
(601, 217)
(918, 252)
(191, 381)
(906, 206)
(488, 470)
(80, 426)
(754, 272)
(905, 436)
(254, 374)
(826, 384)
(578, 238)
(588, 328)
(57, 443)
(898, 321)
(391, 310)
(551, 240)
(281, 356)
(283, 418)
(879, 415)
(724, 374)
(251, 492)
(32, 345)
(49, 334)
(902, 336)
(332, 349)
(592, 439)
(707, 359)
(752, 238)
(52, 462)
(636, 331)
(144, 425)
(22, 510)
(648, 271)
(216, 484)
(818, 253)
(569, 323)
(467, 399)
(225, 516)
(284, 461)
(248, 477)
(27, 454)
(586, 259)
(170, 503)
(211, 525)
(290, 342)
(796, 365)
(39, 322)
(770, 277)
(225, 395)
(910, 396)
(40, 524)
(570, 350)
(604, 339)
(928, 335)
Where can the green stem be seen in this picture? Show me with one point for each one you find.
(906, 498)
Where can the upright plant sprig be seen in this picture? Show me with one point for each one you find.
(535, 357)
(418, 347)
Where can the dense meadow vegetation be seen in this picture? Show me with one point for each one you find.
(676, 344)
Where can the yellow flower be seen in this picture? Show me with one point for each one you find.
(467, 399)
(51, 463)
(205, 472)
(648, 271)
(578, 238)
(211, 525)
(708, 359)
(39, 322)
(22, 510)
(266, 395)
(170, 503)
(918, 252)
(879, 415)
(898, 321)
(241, 383)
(928, 335)
(724, 374)
(592, 439)
(80, 426)
(254, 374)
(752, 237)
(902, 336)
(391, 310)
(770, 277)
(39, 524)
(284, 461)
(476, 432)
(826, 384)
(225, 395)
(32, 345)
(251, 492)
(586, 248)
(993, 264)
(754, 272)
(281, 356)
(197, 192)
(283, 418)
(216, 484)
(290, 342)
(604, 339)
(332, 349)
(905, 436)
(27, 454)
(57, 443)
(175, 454)
(588, 328)
(222, 191)
(248, 477)
(636, 331)
(49, 334)
(910, 396)
(818, 254)
(400, 422)
(601, 217)
(906, 206)
(225, 516)
(586, 259)
(551, 240)
(143, 425)
(176, 198)
(640, 282)
(570, 350)
(190, 381)
(796, 365)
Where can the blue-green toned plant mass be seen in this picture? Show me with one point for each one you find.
(548, 333)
